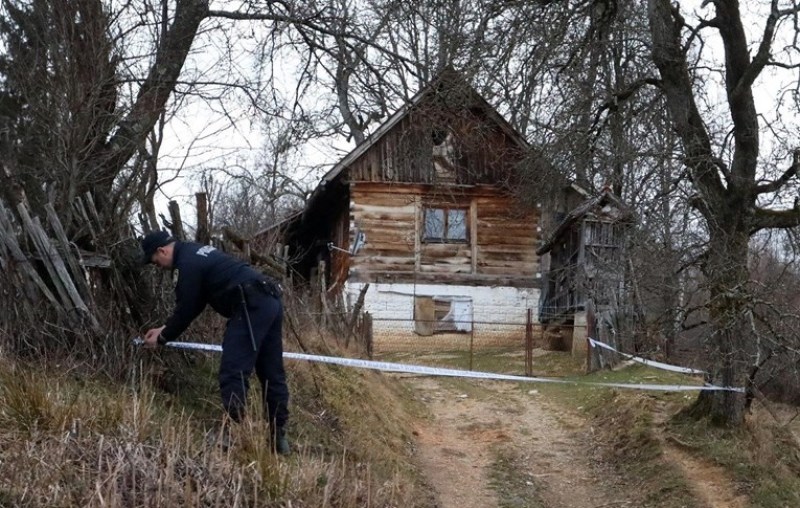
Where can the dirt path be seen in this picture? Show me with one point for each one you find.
(547, 464)
(499, 446)
(709, 482)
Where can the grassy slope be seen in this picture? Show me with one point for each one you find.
(67, 439)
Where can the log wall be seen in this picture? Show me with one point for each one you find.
(500, 250)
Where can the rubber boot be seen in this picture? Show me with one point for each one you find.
(280, 444)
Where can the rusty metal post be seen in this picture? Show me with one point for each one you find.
(471, 341)
(529, 345)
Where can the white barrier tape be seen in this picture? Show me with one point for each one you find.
(438, 371)
(644, 361)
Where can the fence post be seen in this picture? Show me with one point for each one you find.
(529, 345)
(471, 341)
(203, 234)
(177, 222)
(368, 333)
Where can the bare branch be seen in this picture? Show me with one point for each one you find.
(787, 175)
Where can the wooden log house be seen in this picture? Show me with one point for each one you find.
(421, 211)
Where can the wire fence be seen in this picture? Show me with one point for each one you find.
(492, 346)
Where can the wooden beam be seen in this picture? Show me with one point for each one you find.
(203, 234)
(177, 222)
(78, 275)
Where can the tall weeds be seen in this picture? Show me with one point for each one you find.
(73, 435)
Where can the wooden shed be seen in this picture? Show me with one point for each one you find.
(422, 212)
(583, 265)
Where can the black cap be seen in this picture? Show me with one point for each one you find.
(153, 241)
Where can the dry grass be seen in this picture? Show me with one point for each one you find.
(67, 439)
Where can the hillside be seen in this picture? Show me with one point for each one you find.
(368, 439)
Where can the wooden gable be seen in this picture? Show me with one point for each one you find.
(432, 145)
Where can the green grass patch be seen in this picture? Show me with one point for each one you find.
(501, 360)
(580, 393)
(556, 364)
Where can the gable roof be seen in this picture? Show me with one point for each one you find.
(449, 79)
(604, 197)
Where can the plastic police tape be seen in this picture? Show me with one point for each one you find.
(438, 371)
(644, 361)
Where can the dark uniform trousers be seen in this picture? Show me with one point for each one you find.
(239, 358)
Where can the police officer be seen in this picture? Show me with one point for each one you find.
(252, 339)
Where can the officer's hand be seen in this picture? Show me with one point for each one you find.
(151, 337)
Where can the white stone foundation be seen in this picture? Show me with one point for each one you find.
(499, 315)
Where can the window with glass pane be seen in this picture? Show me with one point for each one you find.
(434, 224)
(445, 225)
(457, 225)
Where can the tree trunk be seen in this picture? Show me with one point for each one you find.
(727, 274)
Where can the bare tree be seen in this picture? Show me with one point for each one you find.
(251, 200)
(733, 191)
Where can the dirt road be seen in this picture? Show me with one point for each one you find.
(491, 444)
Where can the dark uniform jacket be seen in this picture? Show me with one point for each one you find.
(206, 276)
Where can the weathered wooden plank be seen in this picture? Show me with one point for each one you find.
(528, 271)
(386, 239)
(507, 242)
(417, 233)
(391, 250)
(59, 275)
(90, 206)
(380, 263)
(41, 247)
(429, 190)
(80, 209)
(499, 258)
(177, 223)
(387, 233)
(392, 205)
(62, 274)
(446, 269)
(439, 258)
(473, 234)
(78, 275)
(466, 279)
(203, 234)
(9, 239)
(517, 248)
(446, 249)
(377, 224)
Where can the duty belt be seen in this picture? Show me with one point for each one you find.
(270, 287)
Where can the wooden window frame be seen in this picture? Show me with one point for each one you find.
(446, 213)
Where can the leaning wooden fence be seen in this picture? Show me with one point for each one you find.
(44, 267)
